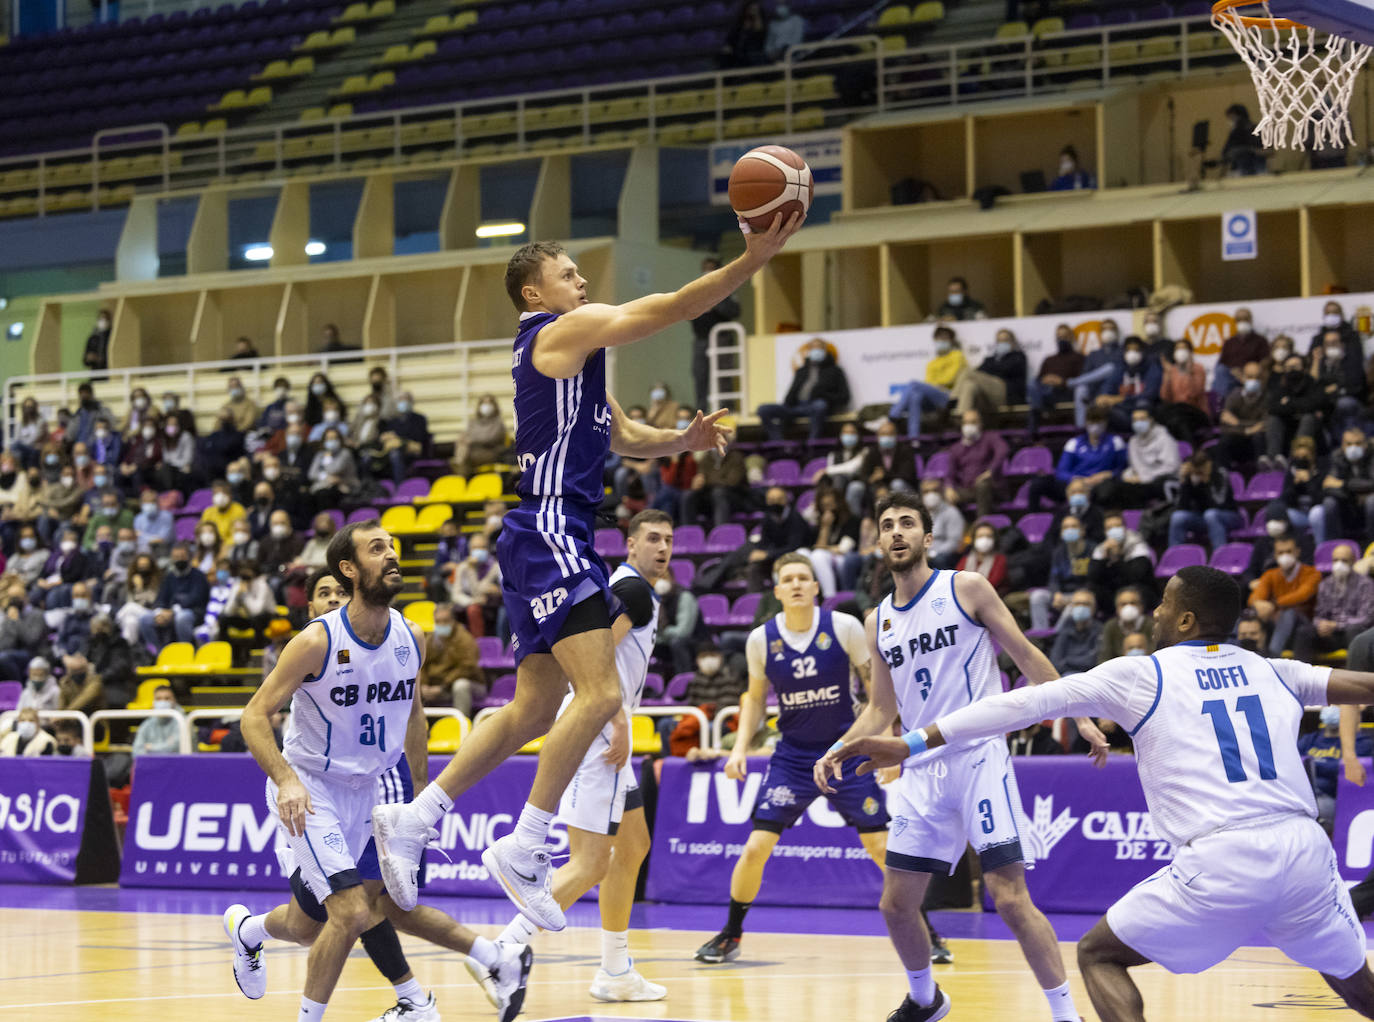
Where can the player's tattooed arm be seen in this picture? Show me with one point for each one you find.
(638, 440)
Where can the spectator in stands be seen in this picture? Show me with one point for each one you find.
(1183, 408)
(141, 456)
(1100, 381)
(29, 558)
(177, 468)
(1069, 566)
(244, 348)
(726, 312)
(1050, 385)
(41, 690)
(1242, 442)
(333, 342)
(110, 512)
(60, 501)
(241, 409)
(484, 441)
(842, 466)
(1284, 599)
(31, 433)
(81, 688)
(959, 304)
(679, 624)
(450, 675)
(448, 554)
(279, 550)
(140, 411)
(947, 531)
(983, 556)
(333, 474)
(405, 437)
(715, 683)
(331, 417)
(744, 45)
(138, 594)
(259, 516)
(675, 476)
(1075, 647)
(663, 411)
(89, 411)
(1277, 526)
(160, 735)
(834, 556)
(68, 740)
(782, 531)
(154, 526)
(1339, 372)
(121, 559)
(83, 466)
(242, 547)
(17, 500)
(1251, 633)
(1242, 152)
(1136, 385)
(105, 447)
(380, 391)
(1094, 456)
(1206, 504)
(224, 511)
(273, 415)
(1345, 602)
(313, 554)
(75, 630)
(180, 602)
(819, 389)
(66, 566)
(1159, 346)
(25, 737)
(1302, 484)
(1072, 177)
(934, 393)
(250, 606)
(1347, 507)
(1295, 403)
(205, 554)
(1152, 456)
(975, 466)
(23, 634)
(1323, 749)
(476, 587)
(785, 28)
(1036, 740)
(1333, 318)
(1244, 346)
(999, 380)
(890, 462)
(720, 486)
(172, 409)
(321, 388)
(1123, 557)
(96, 357)
(1130, 619)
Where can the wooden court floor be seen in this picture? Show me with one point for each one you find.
(75, 966)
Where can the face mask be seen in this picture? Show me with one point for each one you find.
(1117, 533)
(480, 555)
(318, 389)
(294, 419)
(1331, 319)
(236, 394)
(1070, 535)
(1065, 345)
(102, 435)
(28, 543)
(1140, 426)
(68, 480)
(663, 586)
(1281, 355)
(1065, 168)
(708, 664)
(181, 565)
(1137, 651)
(173, 429)
(331, 446)
(657, 394)
(162, 704)
(931, 499)
(241, 538)
(82, 460)
(283, 393)
(443, 631)
(1003, 348)
(955, 298)
(1095, 430)
(233, 478)
(1081, 613)
(1244, 326)
(1335, 354)
(221, 500)
(486, 410)
(369, 409)
(1153, 330)
(271, 474)
(403, 407)
(1078, 501)
(683, 423)
(51, 459)
(816, 355)
(1330, 716)
(67, 546)
(849, 439)
(983, 544)
(942, 347)
(1340, 569)
(886, 443)
(1182, 356)
(293, 440)
(1252, 387)
(80, 604)
(1354, 452)
(331, 415)
(125, 546)
(1286, 561)
(377, 385)
(1110, 336)
(1275, 528)
(1128, 612)
(222, 576)
(281, 531)
(207, 538)
(169, 405)
(140, 403)
(148, 432)
(102, 481)
(1133, 358)
(971, 432)
(27, 729)
(493, 521)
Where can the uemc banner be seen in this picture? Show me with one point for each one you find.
(42, 818)
(700, 830)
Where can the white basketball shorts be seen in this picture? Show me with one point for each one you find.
(1270, 882)
(599, 794)
(335, 835)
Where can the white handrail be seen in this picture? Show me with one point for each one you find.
(183, 726)
(643, 711)
(87, 729)
(729, 713)
(235, 712)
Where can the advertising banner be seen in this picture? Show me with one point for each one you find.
(42, 818)
(880, 362)
(1354, 832)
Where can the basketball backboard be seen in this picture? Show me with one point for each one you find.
(1353, 19)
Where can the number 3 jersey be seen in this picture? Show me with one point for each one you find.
(351, 718)
(810, 672)
(940, 659)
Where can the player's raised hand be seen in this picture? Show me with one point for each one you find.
(293, 805)
(1093, 735)
(764, 245)
(707, 433)
(737, 766)
(881, 750)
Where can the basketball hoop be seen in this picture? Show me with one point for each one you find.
(1304, 82)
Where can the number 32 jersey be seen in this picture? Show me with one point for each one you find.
(940, 659)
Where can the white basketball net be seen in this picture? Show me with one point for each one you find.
(1304, 84)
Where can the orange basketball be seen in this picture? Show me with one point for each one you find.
(769, 180)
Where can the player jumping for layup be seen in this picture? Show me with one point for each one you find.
(806, 655)
(556, 587)
(1216, 741)
(931, 642)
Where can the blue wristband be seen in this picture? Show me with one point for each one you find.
(915, 741)
(837, 746)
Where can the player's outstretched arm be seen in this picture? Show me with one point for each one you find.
(417, 726)
(980, 600)
(640, 440)
(578, 333)
(1350, 687)
(876, 718)
(302, 659)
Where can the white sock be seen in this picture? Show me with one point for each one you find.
(1061, 1003)
(484, 952)
(615, 951)
(432, 804)
(922, 985)
(311, 1011)
(518, 931)
(253, 931)
(411, 991)
(532, 829)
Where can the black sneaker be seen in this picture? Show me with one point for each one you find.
(721, 948)
(910, 1011)
(940, 954)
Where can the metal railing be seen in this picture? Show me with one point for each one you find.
(643, 711)
(725, 714)
(183, 725)
(722, 105)
(87, 728)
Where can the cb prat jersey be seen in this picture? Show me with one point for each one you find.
(351, 718)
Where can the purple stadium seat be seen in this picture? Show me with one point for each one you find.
(715, 610)
(1232, 558)
(1265, 486)
(488, 650)
(363, 514)
(186, 528)
(742, 613)
(996, 521)
(198, 501)
(937, 466)
(610, 543)
(1322, 557)
(805, 501)
(502, 691)
(684, 572)
(1082, 21)
(1029, 461)
(810, 469)
(783, 472)
(689, 539)
(831, 602)
(412, 488)
(653, 684)
(1237, 484)
(677, 686)
(1131, 519)
(1022, 499)
(1179, 557)
(9, 694)
(725, 539)
(337, 516)
(1034, 526)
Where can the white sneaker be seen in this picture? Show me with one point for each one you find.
(628, 986)
(250, 970)
(509, 978)
(407, 1010)
(483, 977)
(527, 876)
(401, 838)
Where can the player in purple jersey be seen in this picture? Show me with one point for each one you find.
(556, 588)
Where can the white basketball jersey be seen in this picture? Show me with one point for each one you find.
(939, 658)
(352, 718)
(1219, 745)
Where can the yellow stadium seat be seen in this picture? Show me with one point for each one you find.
(260, 96)
(446, 490)
(423, 49)
(275, 69)
(421, 612)
(143, 698)
(315, 41)
(644, 737)
(233, 98)
(1012, 30)
(445, 735)
(382, 8)
(399, 520)
(215, 126)
(486, 486)
(931, 10)
(303, 66)
(808, 119)
(395, 54)
(353, 12)
(1047, 25)
(381, 80)
(1123, 53)
(891, 43)
(341, 110)
(816, 87)
(1159, 46)
(749, 95)
(353, 84)
(215, 656)
(897, 14)
(343, 36)
(438, 24)
(312, 113)
(430, 518)
(464, 19)
(173, 656)
(187, 129)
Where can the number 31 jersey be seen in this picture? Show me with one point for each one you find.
(939, 658)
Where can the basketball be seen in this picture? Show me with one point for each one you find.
(769, 180)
